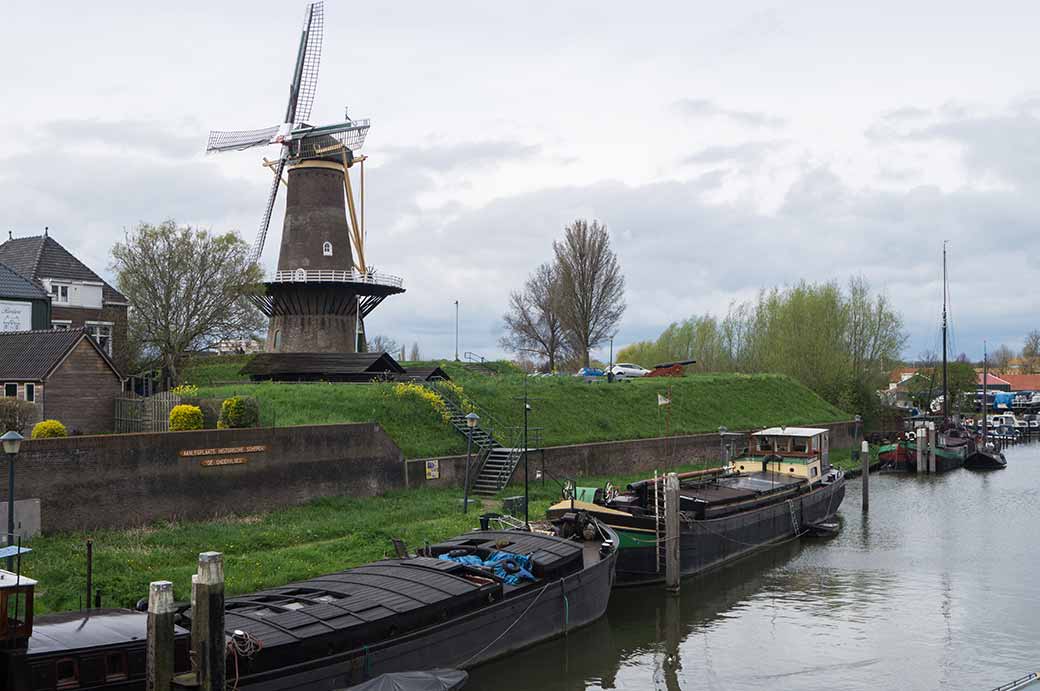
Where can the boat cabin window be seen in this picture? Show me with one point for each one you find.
(67, 673)
(115, 666)
(765, 444)
(800, 444)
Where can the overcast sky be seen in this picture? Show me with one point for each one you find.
(727, 146)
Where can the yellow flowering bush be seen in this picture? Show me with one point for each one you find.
(186, 391)
(413, 390)
(48, 429)
(185, 417)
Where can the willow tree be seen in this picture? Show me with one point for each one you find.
(188, 289)
(591, 286)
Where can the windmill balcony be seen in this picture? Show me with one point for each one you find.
(331, 276)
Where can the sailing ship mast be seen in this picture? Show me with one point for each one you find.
(985, 394)
(946, 390)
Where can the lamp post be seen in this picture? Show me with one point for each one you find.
(723, 454)
(471, 422)
(456, 331)
(12, 442)
(858, 420)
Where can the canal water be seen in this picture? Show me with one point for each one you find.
(936, 589)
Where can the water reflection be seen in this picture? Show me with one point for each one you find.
(933, 588)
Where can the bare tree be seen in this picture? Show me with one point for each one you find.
(533, 324)
(188, 289)
(1001, 358)
(1031, 350)
(383, 344)
(591, 286)
(415, 356)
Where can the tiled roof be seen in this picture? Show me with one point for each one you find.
(991, 380)
(14, 285)
(1023, 382)
(32, 355)
(41, 256)
(320, 365)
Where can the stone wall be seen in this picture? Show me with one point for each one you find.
(609, 458)
(116, 481)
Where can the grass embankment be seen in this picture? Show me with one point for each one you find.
(568, 410)
(261, 551)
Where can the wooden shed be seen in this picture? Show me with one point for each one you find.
(332, 367)
(65, 374)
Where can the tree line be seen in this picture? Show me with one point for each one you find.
(840, 341)
(569, 305)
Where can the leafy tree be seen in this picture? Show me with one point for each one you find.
(188, 289)
(533, 325)
(591, 286)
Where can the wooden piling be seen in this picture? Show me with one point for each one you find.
(922, 441)
(671, 532)
(207, 621)
(159, 656)
(864, 455)
(931, 447)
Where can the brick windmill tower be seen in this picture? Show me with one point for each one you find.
(323, 288)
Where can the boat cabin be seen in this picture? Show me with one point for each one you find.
(802, 452)
(16, 610)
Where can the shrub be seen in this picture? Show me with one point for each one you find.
(48, 429)
(15, 415)
(239, 411)
(413, 390)
(185, 391)
(185, 417)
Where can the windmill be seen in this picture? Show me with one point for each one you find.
(319, 296)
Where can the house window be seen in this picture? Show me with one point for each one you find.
(278, 339)
(101, 332)
(11, 390)
(61, 324)
(326, 249)
(30, 393)
(60, 293)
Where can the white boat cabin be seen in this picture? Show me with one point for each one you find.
(796, 451)
(16, 609)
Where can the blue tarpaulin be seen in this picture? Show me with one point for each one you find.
(1003, 399)
(497, 563)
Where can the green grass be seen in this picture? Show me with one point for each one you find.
(842, 458)
(261, 551)
(568, 410)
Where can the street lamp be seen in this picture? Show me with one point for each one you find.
(723, 455)
(471, 423)
(12, 442)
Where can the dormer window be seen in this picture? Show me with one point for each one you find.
(326, 249)
(59, 293)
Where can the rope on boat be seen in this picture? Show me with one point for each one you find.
(242, 644)
(510, 627)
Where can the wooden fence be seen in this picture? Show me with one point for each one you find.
(151, 414)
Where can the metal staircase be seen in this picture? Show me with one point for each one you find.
(494, 463)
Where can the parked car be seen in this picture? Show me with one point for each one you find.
(590, 372)
(626, 370)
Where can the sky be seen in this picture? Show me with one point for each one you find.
(728, 147)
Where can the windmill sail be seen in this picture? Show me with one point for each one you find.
(305, 75)
(240, 140)
(261, 235)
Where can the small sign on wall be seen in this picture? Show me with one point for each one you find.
(433, 469)
(15, 316)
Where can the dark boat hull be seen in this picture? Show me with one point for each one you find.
(985, 460)
(505, 627)
(708, 544)
(902, 456)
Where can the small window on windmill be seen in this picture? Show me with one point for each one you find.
(326, 249)
(301, 275)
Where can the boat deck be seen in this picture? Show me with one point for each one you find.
(740, 487)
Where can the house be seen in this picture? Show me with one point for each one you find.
(66, 374)
(23, 304)
(992, 382)
(1022, 382)
(80, 299)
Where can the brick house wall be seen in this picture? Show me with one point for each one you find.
(81, 392)
(116, 314)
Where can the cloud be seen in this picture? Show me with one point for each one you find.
(703, 108)
(477, 154)
(745, 153)
(119, 136)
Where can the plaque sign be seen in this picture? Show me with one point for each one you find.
(221, 456)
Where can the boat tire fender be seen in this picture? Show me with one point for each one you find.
(461, 552)
(510, 565)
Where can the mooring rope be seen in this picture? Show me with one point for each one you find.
(510, 627)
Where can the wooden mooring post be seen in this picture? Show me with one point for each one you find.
(864, 455)
(207, 621)
(922, 440)
(931, 447)
(159, 656)
(672, 572)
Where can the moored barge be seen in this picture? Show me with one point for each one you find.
(459, 603)
(782, 488)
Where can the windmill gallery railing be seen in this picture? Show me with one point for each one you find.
(330, 276)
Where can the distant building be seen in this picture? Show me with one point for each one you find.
(1022, 382)
(24, 305)
(80, 299)
(65, 374)
(992, 382)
